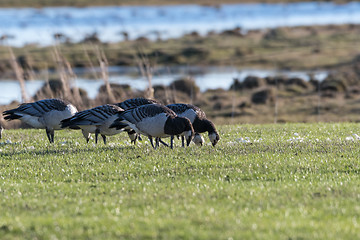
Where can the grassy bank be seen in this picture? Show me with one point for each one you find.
(293, 181)
(84, 3)
(310, 47)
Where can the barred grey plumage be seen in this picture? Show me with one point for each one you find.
(45, 113)
(155, 120)
(95, 120)
(135, 102)
(198, 119)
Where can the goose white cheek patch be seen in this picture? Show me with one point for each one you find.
(198, 140)
(212, 137)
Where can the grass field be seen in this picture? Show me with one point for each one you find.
(291, 181)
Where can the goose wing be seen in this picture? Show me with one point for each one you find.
(138, 114)
(187, 110)
(135, 102)
(36, 109)
(93, 116)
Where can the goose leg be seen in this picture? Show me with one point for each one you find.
(157, 142)
(86, 135)
(182, 141)
(134, 141)
(163, 143)
(97, 131)
(50, 135)
(104, 138)
(172, 141)
(151, 140)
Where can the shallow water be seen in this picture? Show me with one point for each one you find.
(205, 78)
(29, 25)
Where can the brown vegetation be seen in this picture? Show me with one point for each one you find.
(255, 100)
(314, 47)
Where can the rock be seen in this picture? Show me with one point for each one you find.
(186, 85)
(251, 82)
(263, 96)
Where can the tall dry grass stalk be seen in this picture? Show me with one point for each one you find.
(29, 73)
(318, 102)
(67, 77)
(62, 72)
(19, 73)
(48, 89)
(146, 69)
(104, 73)
(92, 67)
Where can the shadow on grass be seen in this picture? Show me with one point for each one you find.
(49, 151)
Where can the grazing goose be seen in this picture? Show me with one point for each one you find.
(45, 113)
(155, 120)
(198, 119)
(96, 120)
(133, 103)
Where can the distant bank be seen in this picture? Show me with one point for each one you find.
(81, 3)
(113, 23)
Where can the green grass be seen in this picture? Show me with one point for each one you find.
(292, 181)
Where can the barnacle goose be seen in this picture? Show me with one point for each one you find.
(133, 103)
(155, 120)
(96, 120)
(46, 113)
(198, 119)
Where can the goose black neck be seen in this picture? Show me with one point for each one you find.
(203, 125)
(176, 125)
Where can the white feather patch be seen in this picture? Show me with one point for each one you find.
(153, 126)
(190, 114)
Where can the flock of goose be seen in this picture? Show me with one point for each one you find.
(136, 116)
